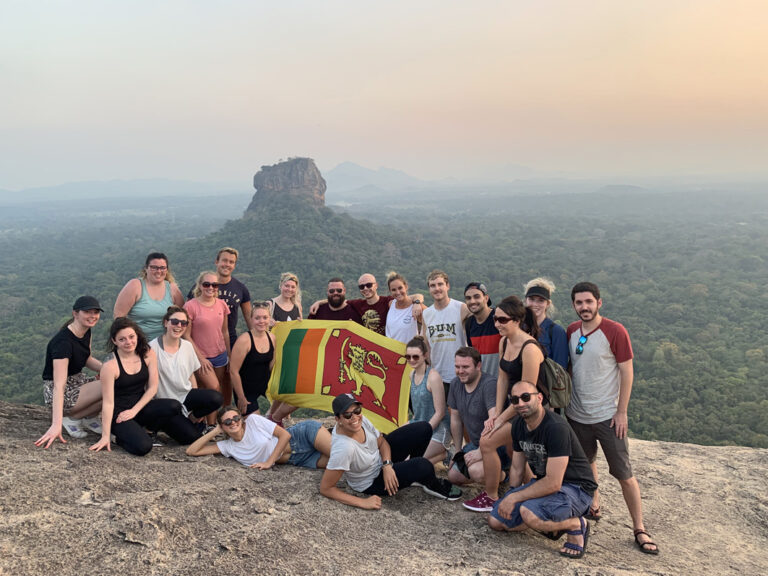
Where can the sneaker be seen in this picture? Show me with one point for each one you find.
(443, 489)
(73, 427)
(480, 503)
(155, 440)
(92, 424)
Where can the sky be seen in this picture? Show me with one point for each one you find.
(210, 91)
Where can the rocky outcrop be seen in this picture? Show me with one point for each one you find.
(69, 511)
(296, 180)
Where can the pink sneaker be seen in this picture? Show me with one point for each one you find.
(480, 503)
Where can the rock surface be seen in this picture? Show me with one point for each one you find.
(68, 511)
(298, 178)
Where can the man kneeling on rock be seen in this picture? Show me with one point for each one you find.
(555, 501)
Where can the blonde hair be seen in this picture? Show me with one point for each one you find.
(199, 282)
(392, 276)
(228, 250)
(435, 274)
(285, 277)
(550, 286)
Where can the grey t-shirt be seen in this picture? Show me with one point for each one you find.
(361, 462)
(473, 406)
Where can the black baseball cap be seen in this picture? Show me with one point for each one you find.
(342, 402)
(87, 303)
(538, 291)
(480, 286)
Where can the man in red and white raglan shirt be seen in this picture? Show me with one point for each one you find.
(601, 368)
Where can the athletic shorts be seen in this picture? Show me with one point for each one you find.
(616, 450)
(71, 390)
(220, 360)
(303, 451)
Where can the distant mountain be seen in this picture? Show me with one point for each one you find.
(350, 176)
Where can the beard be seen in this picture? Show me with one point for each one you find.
(336, 300)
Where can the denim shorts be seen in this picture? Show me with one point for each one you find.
(569, 502)
(303, 451)
(220, 360)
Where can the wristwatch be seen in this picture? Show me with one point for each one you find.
(386, 463)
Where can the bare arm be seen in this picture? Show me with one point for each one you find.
(457, 429)
(127, 297)
(550, 484)
(626, 378)
(283, 437)
(109, 373)
(149, 392)
(246, 309)
(204, 445)
(60, 368)
(177, 296)
(464, 313)
(329, 489)
(239, 352)
(435, 385)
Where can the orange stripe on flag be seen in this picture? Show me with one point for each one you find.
(310, 349)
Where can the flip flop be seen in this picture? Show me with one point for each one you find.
(642, 545)
(578, 549)
(593, 514)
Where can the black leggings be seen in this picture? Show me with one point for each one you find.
(159, 414)
(409, 441)
(201, 402)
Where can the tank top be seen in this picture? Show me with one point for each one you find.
(148, 313)
(514, 368)
(255, 372)
(282, 316)
(421, 399)
(400, 323)
(129, 388)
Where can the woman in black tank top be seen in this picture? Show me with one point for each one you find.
(253, 356)
(518, 360)
(287, 306)
(129, 384)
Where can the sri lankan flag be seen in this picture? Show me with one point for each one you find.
(316, 360)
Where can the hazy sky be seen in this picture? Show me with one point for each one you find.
(210, 91)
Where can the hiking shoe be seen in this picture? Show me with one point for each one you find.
(73, 427)
(443, 489)
(92, 424)
(480, 503)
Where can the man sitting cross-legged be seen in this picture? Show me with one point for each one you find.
(555, 501)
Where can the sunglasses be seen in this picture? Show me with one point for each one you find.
(210, 284)
(158, 268)
(413, 357)
(335, 290)
(261, 304)
(366, 285)
(356, 412)
(502, 319)
(525, 397)
(230, 421)
(178, 322)
(580, 344)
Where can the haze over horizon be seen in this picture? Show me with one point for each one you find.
(207, 92)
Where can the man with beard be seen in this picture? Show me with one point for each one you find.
(556, 499)
(480, 327)
(601, 365)
(336, 307)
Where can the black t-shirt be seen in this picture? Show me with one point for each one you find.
(553, 437)
(66, 345)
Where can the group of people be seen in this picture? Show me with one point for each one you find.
(479, 401)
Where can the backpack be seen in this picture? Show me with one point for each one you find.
(557, 379)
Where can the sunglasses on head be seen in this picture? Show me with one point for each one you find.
(356, 412)
(412, 356)
(525, 397)
(580, 344)
(210, 284)
(366, 285)
(233, 420)
(502, 319)
(178, 322)
(335, 290)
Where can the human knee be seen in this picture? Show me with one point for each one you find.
(529, 517)
(496, 525)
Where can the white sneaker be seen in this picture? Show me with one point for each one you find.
(73, 427)
(92, 424)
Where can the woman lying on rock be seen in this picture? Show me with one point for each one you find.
(128, 386)
(74, 397)
(259, 443)
(375, 464)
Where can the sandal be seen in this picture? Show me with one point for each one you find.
(649, 542)
(575, 547)
(593, 514)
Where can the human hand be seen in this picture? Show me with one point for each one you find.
(205, 366)
(102, 443)
(619, 423)
(126, 415)
(371, 503)
(416, 311)
(473, 456)
(314, 307)
(489, 426)
(391, 484)
(262, 465)
(50, 436)
(506, 506)
(242, 404)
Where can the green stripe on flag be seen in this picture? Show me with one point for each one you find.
(290, 366)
